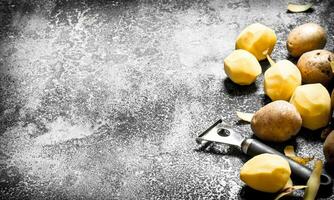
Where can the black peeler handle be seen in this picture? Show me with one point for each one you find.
(253, 147)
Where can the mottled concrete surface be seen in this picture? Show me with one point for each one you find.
(104, 99)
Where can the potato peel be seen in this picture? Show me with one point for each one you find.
(272, 63)
(302, 160)
(290, 153)
(245, 116)
(298, 7)
(289, 190)
(332, 66)
(313, 182)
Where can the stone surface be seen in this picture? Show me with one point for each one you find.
(104, 99)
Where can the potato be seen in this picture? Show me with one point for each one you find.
(314, 105)
(266, 172)
(242, 67)
(281, 80)
(306, 37)
(332, 99)
(329, 148)
(315, 66)
(258, 39)
(277, 121)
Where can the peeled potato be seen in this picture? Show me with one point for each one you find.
(277, 121)
(314, 105)
(306, 37)
(266, 172)
(281, 79)
(242, 67)
(257, 39)
(315, 66)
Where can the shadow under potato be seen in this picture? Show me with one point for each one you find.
(241, 122)
(279, 146)
(294, 60)
(238, 90)
(310, 135)
(247, 193)
(310, 10)
(266, 100)
(264, 65)
(329, 169)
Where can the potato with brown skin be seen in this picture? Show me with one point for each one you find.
(332, 99)
(306, 37)
(315, 67)
(329, 148)
(277, 121)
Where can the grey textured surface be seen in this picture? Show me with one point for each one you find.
(104, 99)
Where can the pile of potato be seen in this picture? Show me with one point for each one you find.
(299, 92)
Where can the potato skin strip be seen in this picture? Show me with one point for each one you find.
(245, 116)
(332, 65)
(289, 190)
(290, 153)
(313, 182)
(271, 61)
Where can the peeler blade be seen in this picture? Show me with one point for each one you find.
(220, 133)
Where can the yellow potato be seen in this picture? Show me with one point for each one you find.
(281, 79)
(242, 67)
(257, 39)
(314, 105)
(306, 37)
(266, 172)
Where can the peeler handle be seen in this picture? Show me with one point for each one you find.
(254, 147)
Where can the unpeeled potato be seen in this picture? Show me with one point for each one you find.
(329, 148)
(277, 121)
(266, 172)
(315, 66)
(332, 98)
(306, 37)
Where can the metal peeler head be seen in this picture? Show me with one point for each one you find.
(220, 133)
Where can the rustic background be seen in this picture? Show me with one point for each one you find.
(104, 99)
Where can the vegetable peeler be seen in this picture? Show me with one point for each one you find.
(225, 134)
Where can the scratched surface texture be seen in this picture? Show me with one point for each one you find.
(104, 99)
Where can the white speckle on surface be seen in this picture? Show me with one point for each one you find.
(105, 102)
(203, 42)
(62, 131)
